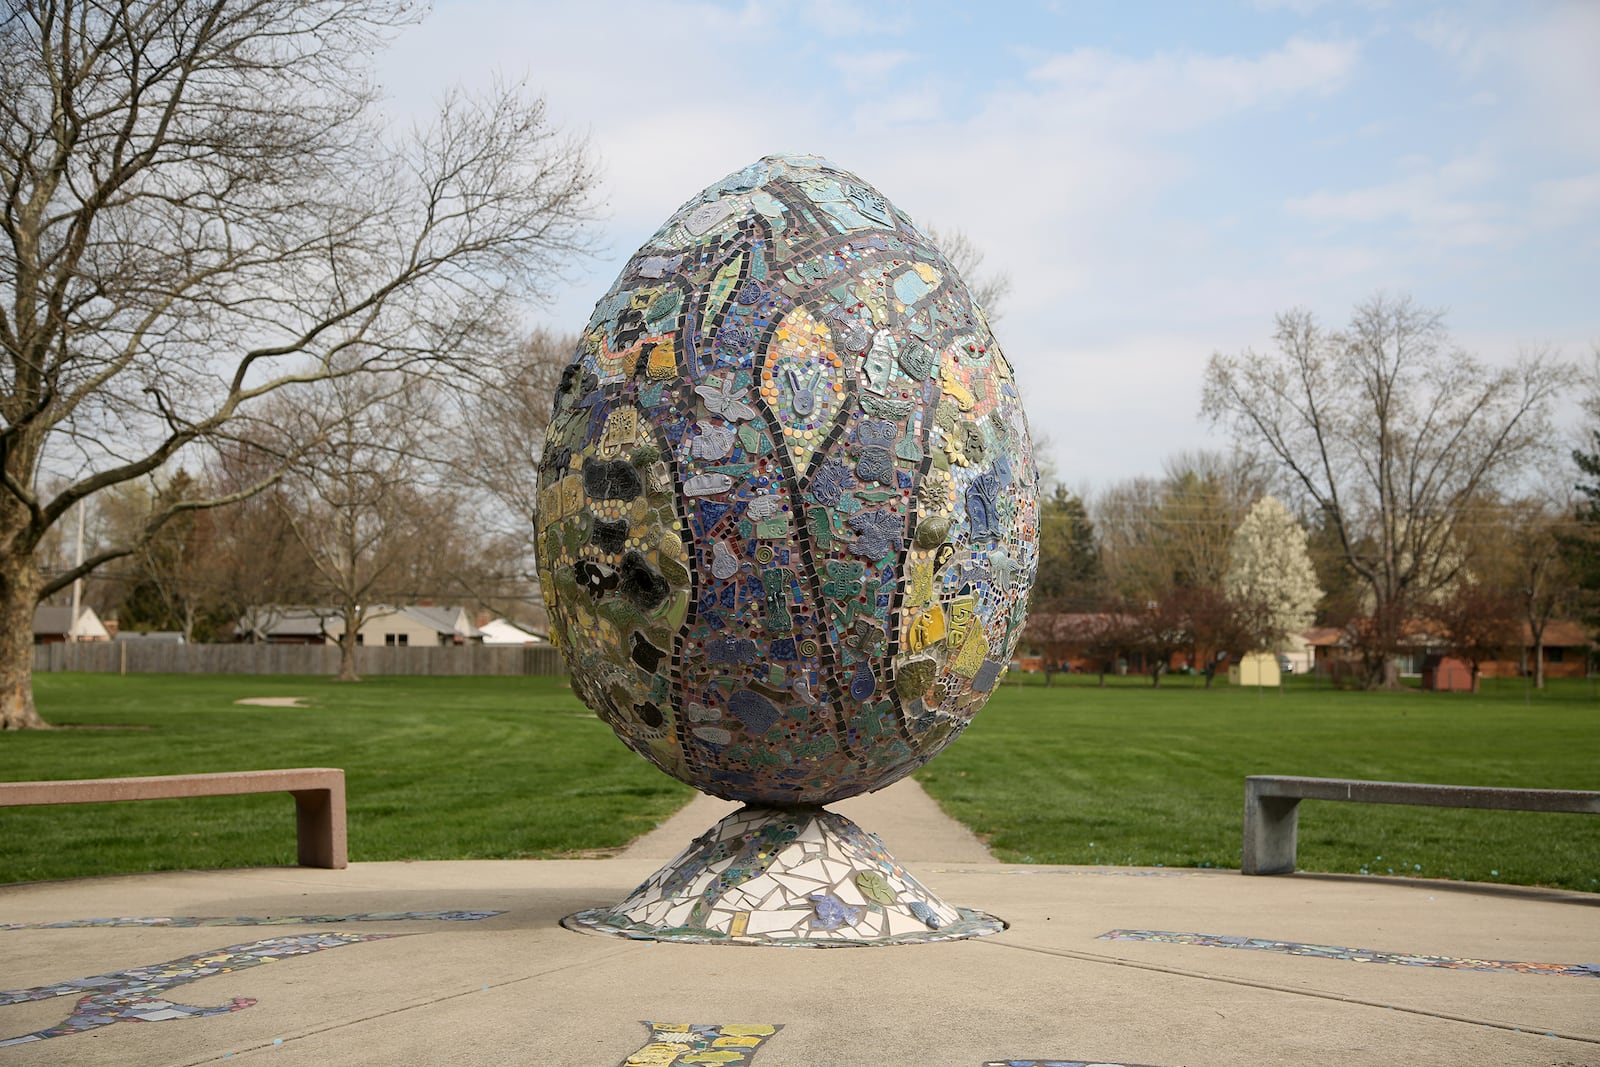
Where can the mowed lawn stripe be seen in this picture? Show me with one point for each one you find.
(1129, 774)
(498, 768)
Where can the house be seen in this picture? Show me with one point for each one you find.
(273, 624)
(417, 625)
(506, 632)
(1566, 653)
(383, 626)
(53, 624)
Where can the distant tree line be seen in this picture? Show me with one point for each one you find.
(1382, 482)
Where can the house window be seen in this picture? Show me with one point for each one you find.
(1554, 655)
(393, 640)
(361, 639)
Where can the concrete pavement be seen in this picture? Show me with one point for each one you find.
(1209, 968)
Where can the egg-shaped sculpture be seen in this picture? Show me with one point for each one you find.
(787, 514)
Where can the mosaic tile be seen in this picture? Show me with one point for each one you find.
(136, 995)
(752, 855)
(701, 1044)
(189, 921)
(1355, 955)
(787, 494)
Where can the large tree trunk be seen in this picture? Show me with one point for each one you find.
(353, 616)
(19, 594)
(1382, 671)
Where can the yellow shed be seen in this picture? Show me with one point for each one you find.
(1255, 668)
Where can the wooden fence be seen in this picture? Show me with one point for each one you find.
(159, 657)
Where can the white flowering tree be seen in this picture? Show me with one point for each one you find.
(1270, 578)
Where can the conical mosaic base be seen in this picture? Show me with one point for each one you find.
(785, 876)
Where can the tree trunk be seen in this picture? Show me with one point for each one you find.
(1538, 665)
(353, 618)
(19, 595)
(347, 657)
(1383, 672)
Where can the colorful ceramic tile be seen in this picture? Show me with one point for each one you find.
(136, 995)
(788, 440)
(701, 1044)
(1355, 955)
(790, 877)
(188, 921)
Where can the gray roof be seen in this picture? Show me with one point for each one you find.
(57, 618)
(272, 620)
(443, 620)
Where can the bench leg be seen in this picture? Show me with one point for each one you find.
(1270, 825)
(320, 827)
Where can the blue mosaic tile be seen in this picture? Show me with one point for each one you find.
(138, 994)
(1354, 955)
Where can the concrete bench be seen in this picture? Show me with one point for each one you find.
(318, 800)
(1272, 802)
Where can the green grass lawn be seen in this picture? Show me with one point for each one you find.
(482, 768)
(1135, 775)
(435, 768)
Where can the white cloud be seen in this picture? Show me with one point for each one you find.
(1443, 206)
(1547, 58)
(1180, 91)
(862, 70)
(1561, 202)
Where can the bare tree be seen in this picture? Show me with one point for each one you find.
(199, 207)
(1175, 532)
(1390, 432)
(504, 419)
(988, 288)
(172, 582)
(1479, 623)
(1517, 546)
(357, 500)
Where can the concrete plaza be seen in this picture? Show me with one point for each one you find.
(465, 963)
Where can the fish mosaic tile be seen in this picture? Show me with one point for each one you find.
(1355, 955)
(798, 877)
(139, 994)
(701, 1044)
(192, 921)
(787, 516)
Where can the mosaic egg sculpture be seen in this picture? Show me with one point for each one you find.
(787, 504)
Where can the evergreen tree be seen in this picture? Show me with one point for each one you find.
(1580, 549)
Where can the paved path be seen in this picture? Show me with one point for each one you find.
(399, 985)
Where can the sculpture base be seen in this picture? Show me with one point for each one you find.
(802, 877)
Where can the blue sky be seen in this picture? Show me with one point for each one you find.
(1158, 180)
